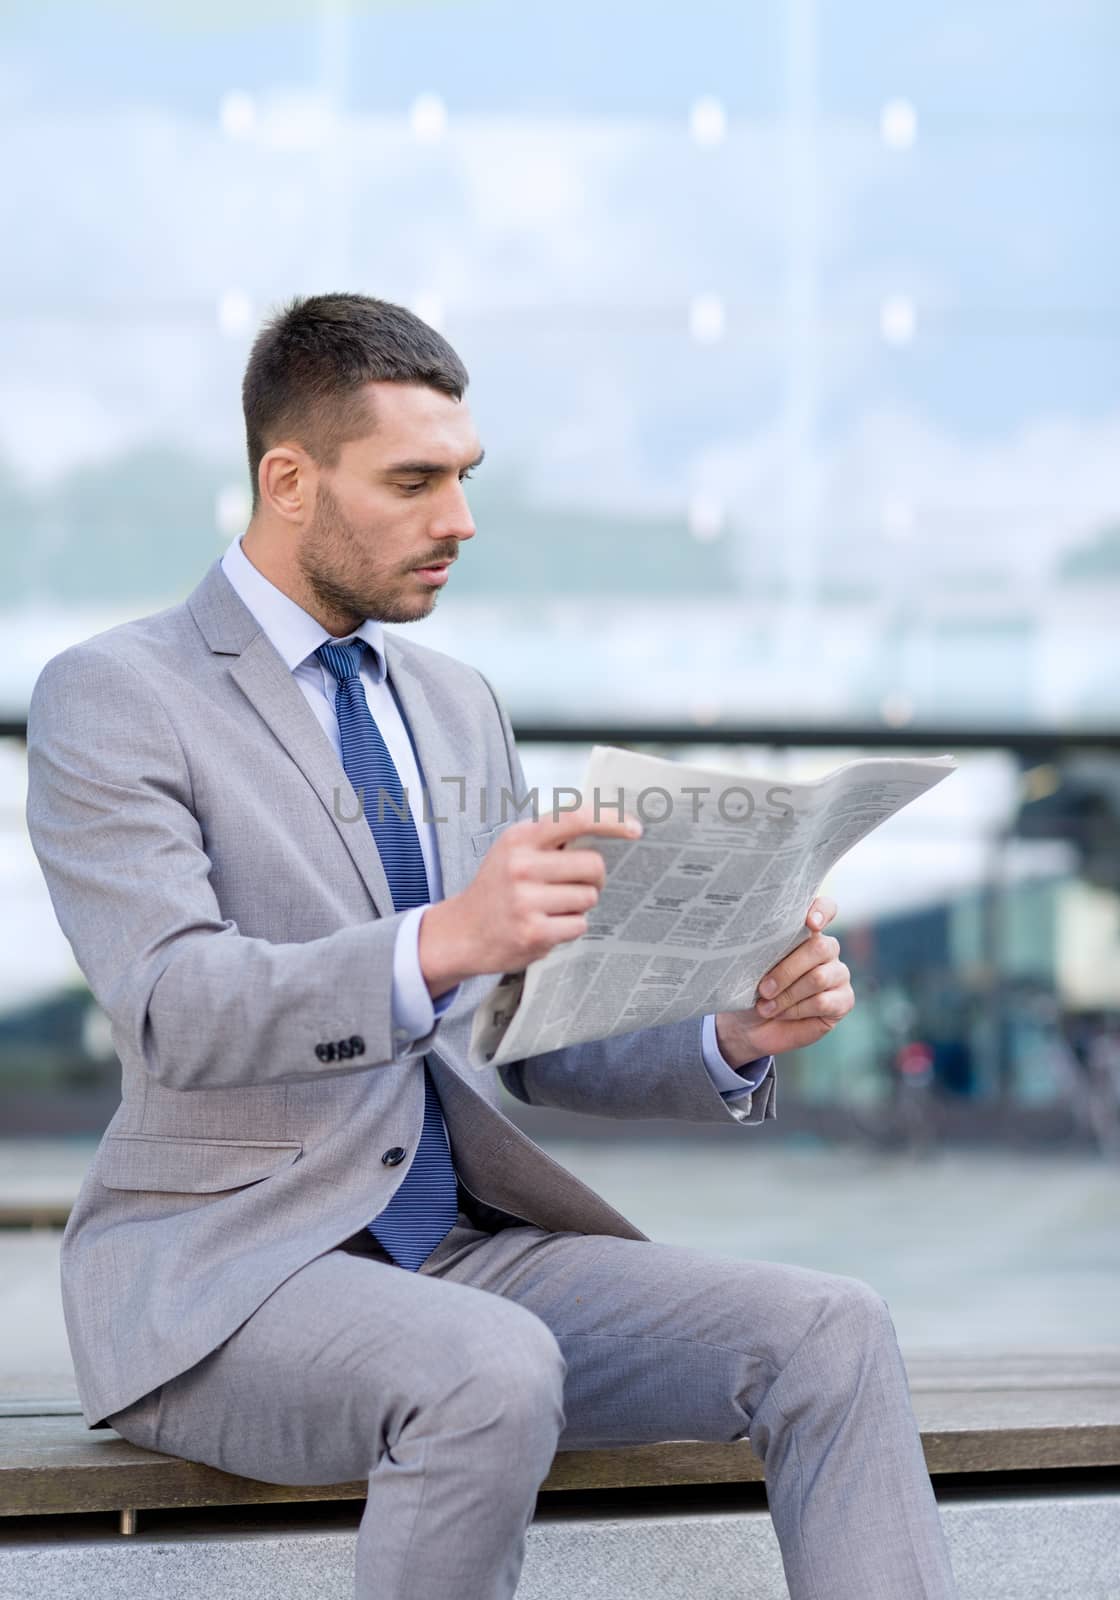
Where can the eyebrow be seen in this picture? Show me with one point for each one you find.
(430, 469)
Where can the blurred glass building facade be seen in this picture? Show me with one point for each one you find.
(794, 340)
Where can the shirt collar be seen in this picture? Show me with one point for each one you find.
(292, 630)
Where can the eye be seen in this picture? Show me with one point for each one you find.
(468, 472)
(411, 488)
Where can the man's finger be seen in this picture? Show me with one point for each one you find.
(569, 866)
(830, 1006)
(551, 832)
(799, 1035)
(821, 912)
(564, 899)
(830, 975)
(818, 948)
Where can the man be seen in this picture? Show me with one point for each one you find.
(311, 1246)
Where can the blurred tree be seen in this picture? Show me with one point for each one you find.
(1082, 806)
(137, 527)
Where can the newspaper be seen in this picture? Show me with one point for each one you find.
(694, 913)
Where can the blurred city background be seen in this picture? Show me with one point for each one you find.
(794, 338)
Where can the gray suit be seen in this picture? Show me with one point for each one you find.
(189, 813)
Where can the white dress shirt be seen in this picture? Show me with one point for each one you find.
(296, 636)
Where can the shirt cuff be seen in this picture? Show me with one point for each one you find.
(414, 1012)
(730, 1081)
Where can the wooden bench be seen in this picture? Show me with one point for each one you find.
(1038, 1413)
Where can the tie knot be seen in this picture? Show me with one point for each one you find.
(342, 661)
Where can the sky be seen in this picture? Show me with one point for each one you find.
(863, 331)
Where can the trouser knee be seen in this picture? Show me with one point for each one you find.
(852, 1329)
(849, 1335)
(512, 1388)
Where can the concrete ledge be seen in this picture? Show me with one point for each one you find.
(1007, 1548)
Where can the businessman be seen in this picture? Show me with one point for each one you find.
(311, 1246)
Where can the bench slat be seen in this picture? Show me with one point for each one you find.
(55, 1464)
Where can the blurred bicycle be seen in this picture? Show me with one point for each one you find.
(1096, 1095)
(1083, 1056)
(907, 1119)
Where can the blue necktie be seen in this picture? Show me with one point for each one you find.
(425, 1206)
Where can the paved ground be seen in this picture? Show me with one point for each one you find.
(971, 1249)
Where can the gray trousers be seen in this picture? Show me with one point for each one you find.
(452, 1387)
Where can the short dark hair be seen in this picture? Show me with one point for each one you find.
(310, 362)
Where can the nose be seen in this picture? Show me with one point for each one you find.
(454, 520)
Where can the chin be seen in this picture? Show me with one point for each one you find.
(407, 611)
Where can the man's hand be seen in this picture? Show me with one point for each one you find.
(528, 895)
(799, 1000)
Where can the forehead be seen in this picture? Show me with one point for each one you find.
(411, 421)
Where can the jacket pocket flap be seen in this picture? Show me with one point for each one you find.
(486, 837)
(190, 1166)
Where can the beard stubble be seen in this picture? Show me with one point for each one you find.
(327, 560)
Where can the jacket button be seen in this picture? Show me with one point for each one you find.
(393, 1157)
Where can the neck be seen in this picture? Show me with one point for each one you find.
(280, 569)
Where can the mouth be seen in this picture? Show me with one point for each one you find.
(435, 574)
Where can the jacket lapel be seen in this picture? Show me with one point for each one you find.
(442, 767)
(231, 629)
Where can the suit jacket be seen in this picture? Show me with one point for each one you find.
(189, 815)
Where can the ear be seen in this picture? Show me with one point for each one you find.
(287, 481)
